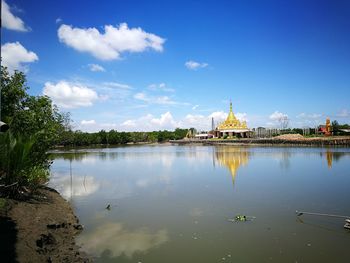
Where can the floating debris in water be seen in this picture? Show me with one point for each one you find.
(108, 207)
(241, 218)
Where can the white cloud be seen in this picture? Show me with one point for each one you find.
(195, 107)
(96, 68)
(88, 122)
(11, 21)
(193, 65)
(58, 20)
(129, 123)
(110, 44)
(241, 116)
(195, 120)
(117, 85)
(160, 87)
(14, 55)
(165, 120)
(151, 123)
(162, 100)
(69, 95)
(277, 116)
(218, 116)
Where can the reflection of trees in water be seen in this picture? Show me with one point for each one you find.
(232, 158)
(80, 156)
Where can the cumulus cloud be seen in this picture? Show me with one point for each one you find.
(277, 116)
(164, 120)
(96, 68)
(9, 20)
(110, 44)
(14, 55)
(193, 65)
(58, 20)
(160, 87)
(151, 123)
(241, 116)
(88, 122)
(218, 115)
(69, 95)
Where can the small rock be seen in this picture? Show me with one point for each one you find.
(45, 240)
(78, 227)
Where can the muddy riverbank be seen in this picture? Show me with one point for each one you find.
(41, 229)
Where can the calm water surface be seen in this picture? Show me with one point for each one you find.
(172, 203)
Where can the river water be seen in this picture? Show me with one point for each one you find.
(174, 203)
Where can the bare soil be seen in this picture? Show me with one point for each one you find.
(41, 229)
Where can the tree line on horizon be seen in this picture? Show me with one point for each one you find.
(113, 137)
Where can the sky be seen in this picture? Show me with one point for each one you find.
(155, 65)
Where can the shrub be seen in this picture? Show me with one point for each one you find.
(19, 173)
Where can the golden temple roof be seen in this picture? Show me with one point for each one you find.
(232, 123)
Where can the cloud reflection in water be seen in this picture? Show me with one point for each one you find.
(76, 186)
(115, 240)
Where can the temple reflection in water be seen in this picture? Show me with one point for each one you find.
(232, 158)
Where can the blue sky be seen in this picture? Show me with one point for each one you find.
(150, 65)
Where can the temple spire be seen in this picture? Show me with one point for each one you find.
(230, 105)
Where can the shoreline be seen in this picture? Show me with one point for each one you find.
(343, 141)
(40, 229)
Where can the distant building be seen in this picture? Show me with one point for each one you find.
(232, 127)
(203, 136)
(326, 129)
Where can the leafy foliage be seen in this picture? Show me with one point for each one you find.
(19, 171)
(35, 126)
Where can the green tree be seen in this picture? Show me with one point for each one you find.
(180, 133)
(13, 93)
(335, 127)
(34, 121)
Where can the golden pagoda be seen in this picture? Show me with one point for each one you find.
(232, 127)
